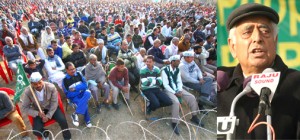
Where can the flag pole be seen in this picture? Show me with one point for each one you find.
(36, 101)
(21, 74)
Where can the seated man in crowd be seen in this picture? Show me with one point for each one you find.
(46, 94)
(97, 28)
(141, 58)
(61, 39)
(118, 80)
(192, 77)
(56, 48)
(34, 66)
(159, 35)
(5, 32)
(8, 110)
(159, 58)
(103, 35)
(210, 47)
(150, 85)
(166, 31)
(78, 40)
(12, 53)
(131, 44)
(172, 49)
(46, 37)
(83, 29)
(91, 41)
(11, 28)
(100, 52)
(130, 62)
(55, 68)
(184, 43)
(172, 83)
(34, 26)
(96, 78)
(75, 88)
(30, 45)
(61, 29)
(68, 29)
(77, 57)
(200, 59)
(66, 48)
(113, 41)
(149, 41)
(137, 39)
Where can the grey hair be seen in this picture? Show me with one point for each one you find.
(233, 37)
(156, 41)
(92, 56)
(24, 28)
(142, 49)
(175, 39)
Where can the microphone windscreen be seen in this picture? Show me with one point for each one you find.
(268, 70)
(222, 80)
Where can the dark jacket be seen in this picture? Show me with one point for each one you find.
(147, 44)
(157, 53)
(83, 29)
(137, 40)
(102, 36)
(12, 53)
(6, 105)
(285, 104)
(39, 68)
(33, 25)
(78, 59)
(4, 34)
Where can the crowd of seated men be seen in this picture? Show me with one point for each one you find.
(160, 54)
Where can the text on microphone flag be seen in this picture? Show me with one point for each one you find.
(269, 80)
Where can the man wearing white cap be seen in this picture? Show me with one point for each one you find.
(100, 51)
(192, 77)
(46, 94)
(173, 86)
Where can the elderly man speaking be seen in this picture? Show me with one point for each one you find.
(252, 40)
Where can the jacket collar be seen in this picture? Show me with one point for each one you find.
(238, 77)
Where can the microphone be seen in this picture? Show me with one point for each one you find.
(226, 124)
(265, 85)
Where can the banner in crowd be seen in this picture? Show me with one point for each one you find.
(288, 46)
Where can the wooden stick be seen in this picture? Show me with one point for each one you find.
(184, 116)
(126, 103)
(37, 102)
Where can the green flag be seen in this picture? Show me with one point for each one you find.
(22, 83)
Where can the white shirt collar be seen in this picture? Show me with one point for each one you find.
(40, 94)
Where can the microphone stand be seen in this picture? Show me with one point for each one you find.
(247, 89)
(268, 113)
(265, 109)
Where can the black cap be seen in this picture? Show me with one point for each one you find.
(199, 40)
(196, 47)
(251, 9)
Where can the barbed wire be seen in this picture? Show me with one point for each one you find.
(145, 129)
